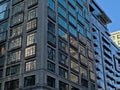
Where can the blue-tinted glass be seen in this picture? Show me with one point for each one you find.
(79, 10)
(71, 10)
(72, 31)
(4, 15)
(80, 2)
(62, 12)
(87, 26)
(62, 34)
(72, 2)
(72, 20)
(62, 22)
(51, 4)
(63, 3)
(80, 29)
(80, 19)
(4, 7)
(89, 35)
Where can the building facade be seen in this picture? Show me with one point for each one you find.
(106, 52)
(115, 36)
(46, 45)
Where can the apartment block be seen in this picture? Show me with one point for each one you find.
(46, 45)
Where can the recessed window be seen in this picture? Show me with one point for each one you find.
(83, 72)
(13, 70)
(16, 19)
(62, 45)
(62, 11)
(51, 4)
(1, 73)
(16, 31)
(74, 88)
(51, 38)
(82, 50)
(32, 13)
(62, 34)
(63, 72)
(91, 66)
(63, 3)
(73, 42)
(51, 53)
(74, 78)
(71, 10)
(74, 65)
(32, 24)
(31, 39)
(2, 61)
(72, 20)
(72, 31)
(18, 8)
(84, 83)
(50, 66)
(74, 53)
(30, 51)
(83, 60)
(14, 57)
(90, 54)
(12, 85)
(63, 86)
(63, 59)
(29, 81)
(15, 1)
(62, 23)
(92, 76)
(51, 81)
(51, 27)
(32, 2)
(15, 43)
(31, 65)
(2, 50)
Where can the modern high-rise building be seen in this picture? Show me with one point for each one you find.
(115, 36)
(107, 54)
(46, 45)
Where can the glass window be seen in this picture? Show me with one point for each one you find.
(62, 34)
(84, 83)
(31, 65)
(32, 13)
(72, 20)
(62, 12)
(71, 10)
(83, 60)
(89, 35)
(79, 10)
(83, 72)
(3, 36)
(90, 54)
(4, 13)
(74, 78)
(15, 1)
(1, 73)
(51, 81)
(18, 8)
(73, 88)
(50, 66)
(74, 65)
(29, 81)
(82, 50)
(3, 27)
(32, 2)
(12, 70)
(91, 66)
(63, 72)
(17, 19)
(92, 76)
(2, 50)
(51, 38)
(31, 39)
(72, 2)
(74, 53)
(63, 3)
(62, 22)
(92, 86)
(80, 29)
(72, 31)
(14, 57)
(2, 61)
(12, 85)
(118, 36)
(73, 42)
(51, 27)
(63, 59)
(30, 51)
(51, 53)
(63, 86)
(16, 31)
(62, 46)
(15, 43)
(51, 4)
(32, 24)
